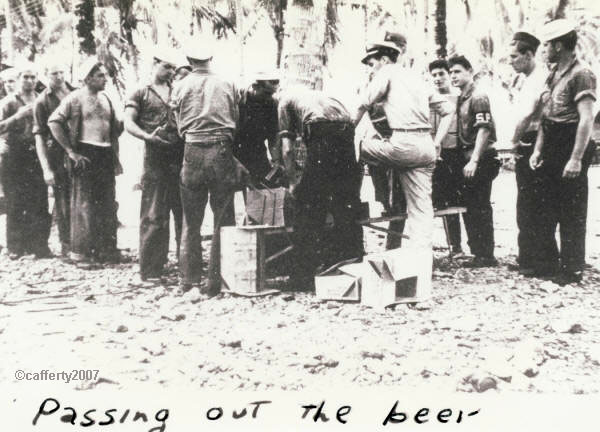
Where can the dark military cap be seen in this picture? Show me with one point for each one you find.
(397, 39)
(527, 38)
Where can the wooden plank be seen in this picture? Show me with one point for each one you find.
(279, 254)
(378, 228)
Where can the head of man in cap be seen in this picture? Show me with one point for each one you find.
(164, 64)
(94, 75)
(266, 83)
(379, 54)
(522, 56)
(199, 55)
(560, 40)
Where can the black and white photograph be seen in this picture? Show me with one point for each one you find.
(297, 215)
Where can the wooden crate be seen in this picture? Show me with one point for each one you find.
(341, 281)
(243, 258)
(396, 276)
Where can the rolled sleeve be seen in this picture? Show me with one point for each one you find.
(583, 85)
(40, 118)
(134, 100)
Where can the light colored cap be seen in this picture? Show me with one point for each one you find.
(8, 73)
(555, 29)
(267, 75)
(199, 52)
(87, 67)
(167, 55)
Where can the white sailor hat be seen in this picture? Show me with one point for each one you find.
(555, 29)
(167, 55)
(9, 73)
(267, 75)
(200, 52)
(376, 47)
(87, 67)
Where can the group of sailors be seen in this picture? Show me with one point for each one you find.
(205, 138)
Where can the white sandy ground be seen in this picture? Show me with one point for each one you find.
(527, 335)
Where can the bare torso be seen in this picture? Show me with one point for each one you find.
(95, 126)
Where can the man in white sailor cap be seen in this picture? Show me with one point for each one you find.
(563, 151)
(86, 126)
(206, 112)
(148, 116)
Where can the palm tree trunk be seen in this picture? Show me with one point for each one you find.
(303, 59)
(441, 31)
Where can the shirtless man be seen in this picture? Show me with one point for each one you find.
(85, 125)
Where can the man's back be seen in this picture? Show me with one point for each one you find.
(205, 105)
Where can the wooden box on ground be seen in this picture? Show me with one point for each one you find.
(341, 281)
(396, 276)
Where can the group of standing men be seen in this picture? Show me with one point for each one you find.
(551, 145)
(203, 137)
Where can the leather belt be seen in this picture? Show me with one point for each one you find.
(418, 130)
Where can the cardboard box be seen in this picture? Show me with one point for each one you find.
(266, 206)
(396, 276)
(342, 281)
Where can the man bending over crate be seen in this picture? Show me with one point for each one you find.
(330, 181)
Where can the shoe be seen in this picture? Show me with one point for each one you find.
(43, 253)
(527, 272)
(479, 262)
(567, 278)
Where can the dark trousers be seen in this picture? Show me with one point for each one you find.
(529, 209)
(446, 190)
(208, 168)
(26, 194)
(160, 197)
(62, 194)
(476, 194)
(564, 201)
(388, 191)
(93, 205)
(330, 183)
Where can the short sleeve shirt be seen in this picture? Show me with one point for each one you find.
(399, 90)
(473, 112)
(44, 106)
(439, 106)
(527, 93)
(153, 112)
(563, 92)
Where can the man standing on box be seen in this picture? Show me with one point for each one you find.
(386, 181)
(206, 112)
(257, 125)
(27, 218)
(85, 125)
(51, 154)
(476, 135)
(148, 116)
(563, 151)
(526, 98)
(410, 149)
(330, 181)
